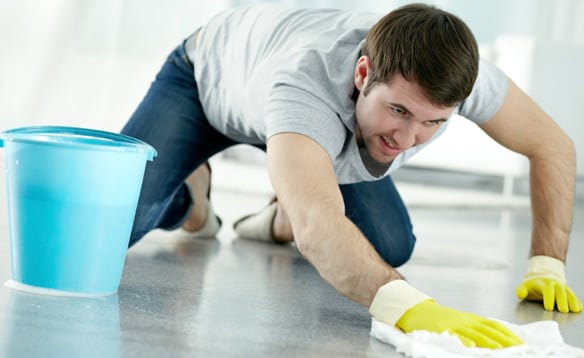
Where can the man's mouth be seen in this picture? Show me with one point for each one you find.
(389, 146)
(388, 141)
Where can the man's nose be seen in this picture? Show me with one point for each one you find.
(405, 135)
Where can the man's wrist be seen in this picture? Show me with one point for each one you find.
(393, 299)
(541, 266)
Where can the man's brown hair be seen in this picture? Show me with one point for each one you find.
(426, 45)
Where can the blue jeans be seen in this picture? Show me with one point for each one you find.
(171, 119)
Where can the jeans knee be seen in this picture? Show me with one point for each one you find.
(396, 252)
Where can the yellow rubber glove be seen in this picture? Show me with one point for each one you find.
(399, 304)
(545, 281)
(473, 330)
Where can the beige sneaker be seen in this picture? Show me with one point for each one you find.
(257, 226)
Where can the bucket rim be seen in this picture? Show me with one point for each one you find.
(77, 137)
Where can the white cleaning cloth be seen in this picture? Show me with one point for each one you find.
(541, 339)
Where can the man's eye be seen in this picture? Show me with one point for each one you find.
(398, 110)
(434, 123)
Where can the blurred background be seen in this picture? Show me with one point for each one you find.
(88, 63)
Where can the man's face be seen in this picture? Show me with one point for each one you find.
(393, 117)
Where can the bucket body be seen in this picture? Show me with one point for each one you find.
(72, 197)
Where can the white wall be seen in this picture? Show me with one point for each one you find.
(86, 63)
(557, 87)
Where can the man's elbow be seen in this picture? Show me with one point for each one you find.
(304, 237)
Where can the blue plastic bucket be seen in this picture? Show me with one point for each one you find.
(72, 196)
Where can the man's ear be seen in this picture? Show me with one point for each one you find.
(362, 68)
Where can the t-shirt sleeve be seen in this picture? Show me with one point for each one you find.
(293, 109)
(487, 95)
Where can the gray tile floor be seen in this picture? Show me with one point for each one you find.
(234, 298)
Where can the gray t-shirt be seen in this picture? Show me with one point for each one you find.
(267, 69)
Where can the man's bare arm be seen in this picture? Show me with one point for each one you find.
(304, 181)
(522, 126)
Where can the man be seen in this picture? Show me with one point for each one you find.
(339, 100)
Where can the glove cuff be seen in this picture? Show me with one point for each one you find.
(546, 267)
(393, 300)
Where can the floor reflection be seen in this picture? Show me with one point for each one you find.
(50, 326)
